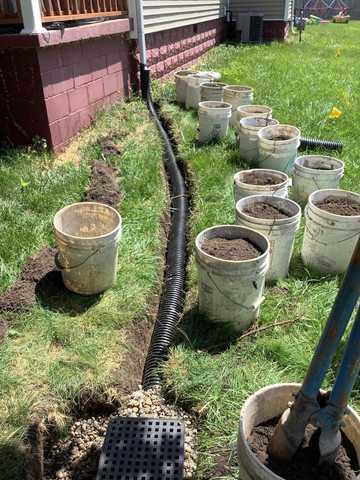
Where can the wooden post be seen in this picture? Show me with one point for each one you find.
(31, 15)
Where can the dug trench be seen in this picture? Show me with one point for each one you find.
(40, 281)
(77, 456)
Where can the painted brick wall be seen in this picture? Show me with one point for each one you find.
(78, 79)
(172, 49)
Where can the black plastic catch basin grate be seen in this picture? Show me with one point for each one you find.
(137, 448)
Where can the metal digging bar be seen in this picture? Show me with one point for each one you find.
(139, 448)
(290, 430)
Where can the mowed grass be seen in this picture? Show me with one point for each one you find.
(51, 355)
(302, 82)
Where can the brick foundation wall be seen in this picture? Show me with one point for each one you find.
(169, 50)
(275, 30)
(52, 86)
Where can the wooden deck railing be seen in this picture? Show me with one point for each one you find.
(64, 10)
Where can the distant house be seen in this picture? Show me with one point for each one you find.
(277, 15)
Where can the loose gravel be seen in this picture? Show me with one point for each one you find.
(77, 457)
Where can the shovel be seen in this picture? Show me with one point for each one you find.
(306, 409)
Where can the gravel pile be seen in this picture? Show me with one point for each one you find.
(77, 457)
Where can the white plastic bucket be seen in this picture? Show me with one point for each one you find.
(231, 292)
(280, 232)
(329, 239)
(244, 111)
(213, 120)
(212, 91)
(278, 147)
(315, 172)
(248, 137)
(244, 189)
(193, 95)
(87, 236)
(268, 403)
(238, 95)
(181, 85)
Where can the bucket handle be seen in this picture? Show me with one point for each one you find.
(315, 237)
(61, 267)
(249, 309)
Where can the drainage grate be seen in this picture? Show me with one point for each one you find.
(138, 448)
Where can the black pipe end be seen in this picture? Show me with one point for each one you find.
(145, 81)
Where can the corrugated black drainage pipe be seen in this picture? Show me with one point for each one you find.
(172, 298)
(316, 143)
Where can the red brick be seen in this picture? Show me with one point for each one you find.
(96, 90)
(71, 54)
(78, 99)
(111, 83)
(82, 73)
(49, 58)
(58, 81)
(98, 67)
(114, 62)
(63, 130)
(57, 107)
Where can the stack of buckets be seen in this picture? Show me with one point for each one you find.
(232, 291)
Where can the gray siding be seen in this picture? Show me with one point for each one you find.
(271, 9)
(166, 14)
(289, 9)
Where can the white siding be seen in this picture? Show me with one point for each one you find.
(166, 14)
(271, 9)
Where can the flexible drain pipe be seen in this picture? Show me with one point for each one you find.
(172, 298)
(316, 143)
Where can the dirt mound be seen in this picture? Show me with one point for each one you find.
(236, 249)
(261, 179)
(104, 185)
(3, 329)
(22, 294)
(340, 206)
(265, 210)
(304, 465)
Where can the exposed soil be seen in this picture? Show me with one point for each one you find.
(261, 179)
(280, 138)
(320, 166)
(3, 329)
(305, 464)
(108, 147)
(104, 185)
(340, 206)
(235, 249)
(22, 294)
(265, 210)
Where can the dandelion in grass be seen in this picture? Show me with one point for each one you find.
(338, 52)
(335, 113)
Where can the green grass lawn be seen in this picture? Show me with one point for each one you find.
(50, 356)
(302, 82)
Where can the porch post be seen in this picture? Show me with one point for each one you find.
(31, 15)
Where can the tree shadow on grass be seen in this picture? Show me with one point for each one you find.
(53, 295)
(198, 333)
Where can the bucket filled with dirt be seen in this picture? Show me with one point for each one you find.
(332, 227)
(258, 419)
(232, 262)
(260, 181)
(193, 82)
(278, 147)
(87, 236)
(279, 220)
(213, 121)
(238, 95)
(315, 172)
(244, 111)
(212, 91)
(181, 85)
(248, 137)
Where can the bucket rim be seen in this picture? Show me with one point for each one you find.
(302, 168)
(239, 88)
(296, 136)
(96, 237)
(214, 105)
(213, 85)
(185, 73)
(324, 213)
(265, 108)
(283, 181)
(255, 128)
(223, 261)
(261, 198)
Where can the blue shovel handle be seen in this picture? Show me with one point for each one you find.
(340, 315)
